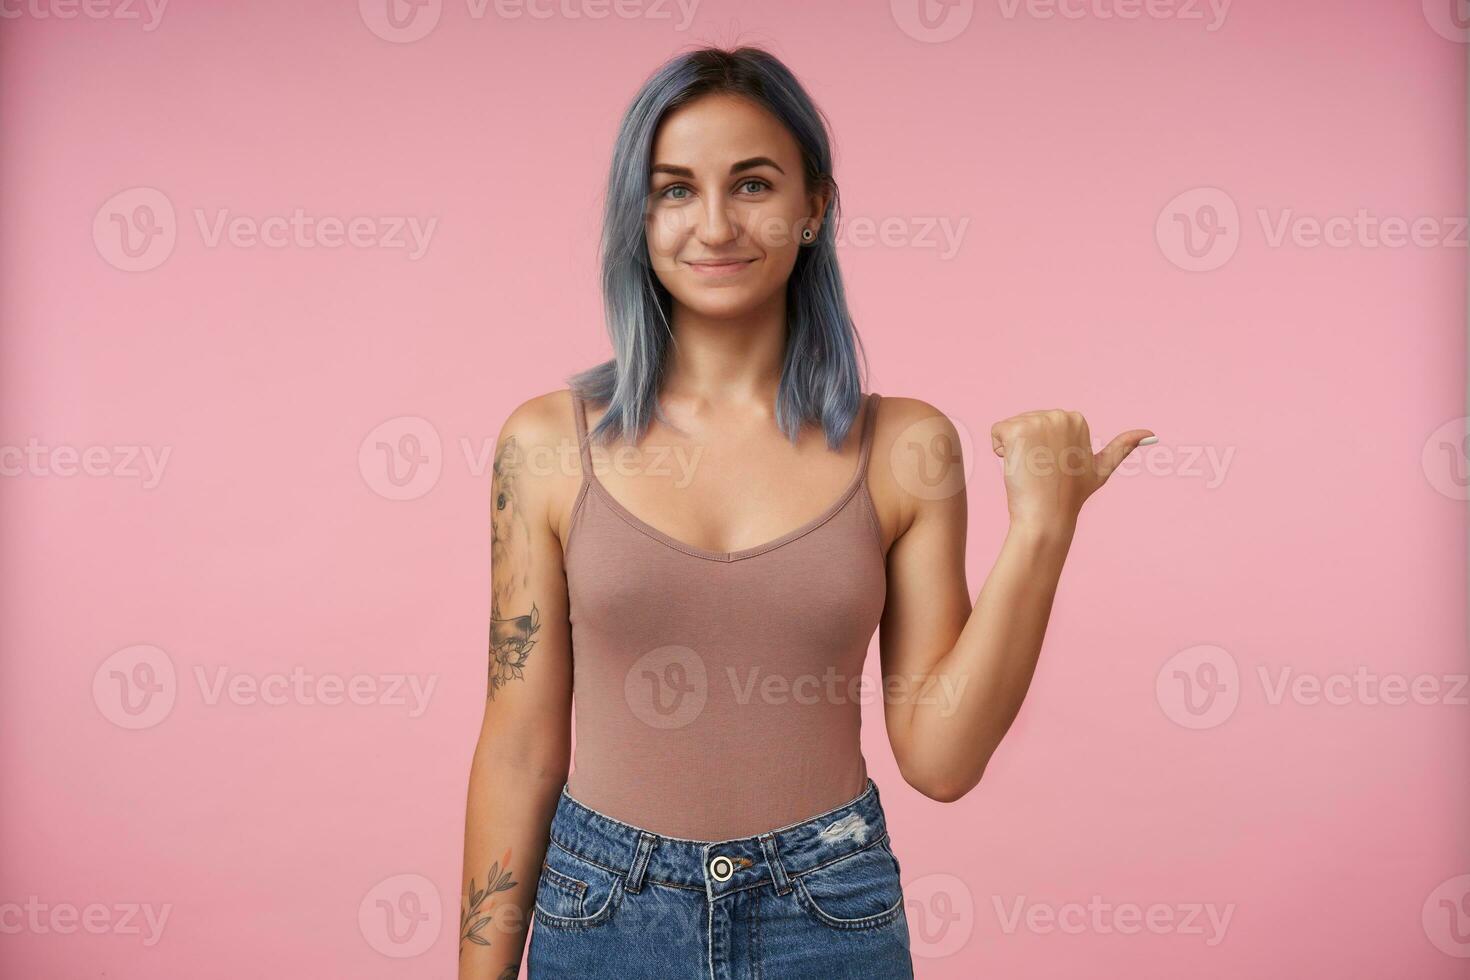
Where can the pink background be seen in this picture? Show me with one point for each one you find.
(1334, 539)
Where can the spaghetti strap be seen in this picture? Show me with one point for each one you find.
(866, 448)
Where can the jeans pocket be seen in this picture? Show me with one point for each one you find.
(574, 892)
(856, 891)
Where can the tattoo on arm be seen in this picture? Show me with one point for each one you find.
(510, 552)
(476, 915)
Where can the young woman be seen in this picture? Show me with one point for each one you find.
(719, 577)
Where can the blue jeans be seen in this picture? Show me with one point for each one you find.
(815, 899)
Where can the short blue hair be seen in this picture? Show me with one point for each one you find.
(819, 378)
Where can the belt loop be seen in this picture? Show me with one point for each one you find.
(640, 861)
(778, 872)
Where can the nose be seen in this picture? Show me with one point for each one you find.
(718, 226)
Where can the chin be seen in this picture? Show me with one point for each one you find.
(726, 305)
(724, 301)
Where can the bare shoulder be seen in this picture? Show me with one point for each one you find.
(904, 410)
(536, 456)
(541, 419)
(901, 421)
(917, 461)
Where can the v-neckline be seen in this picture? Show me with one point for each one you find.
(832, 510)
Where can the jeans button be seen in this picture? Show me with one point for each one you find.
(721, 868)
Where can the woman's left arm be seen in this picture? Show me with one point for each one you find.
(955, 676)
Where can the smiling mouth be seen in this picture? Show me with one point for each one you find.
(720, 268)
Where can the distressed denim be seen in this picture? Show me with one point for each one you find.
(815, 899)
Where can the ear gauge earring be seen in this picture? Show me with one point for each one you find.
(807, 234)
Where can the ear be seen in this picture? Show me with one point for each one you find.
(819, 200)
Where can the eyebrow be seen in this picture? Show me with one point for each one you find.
(735, 168)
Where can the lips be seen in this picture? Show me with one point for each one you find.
(723, 267)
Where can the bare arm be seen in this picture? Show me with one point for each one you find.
(957, 675)
(522, 757)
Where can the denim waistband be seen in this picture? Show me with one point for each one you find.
(774, 856)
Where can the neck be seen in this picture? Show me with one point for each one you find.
(727, 359)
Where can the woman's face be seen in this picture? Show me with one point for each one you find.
(726, 206)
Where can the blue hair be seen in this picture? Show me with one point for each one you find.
(819, 377)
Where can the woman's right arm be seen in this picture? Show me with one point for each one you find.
(522, 757)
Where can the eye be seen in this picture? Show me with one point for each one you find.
(667, 192)
(760, 185)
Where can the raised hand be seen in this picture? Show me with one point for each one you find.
(1050, 468)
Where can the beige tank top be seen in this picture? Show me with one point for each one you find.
(719, 694)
